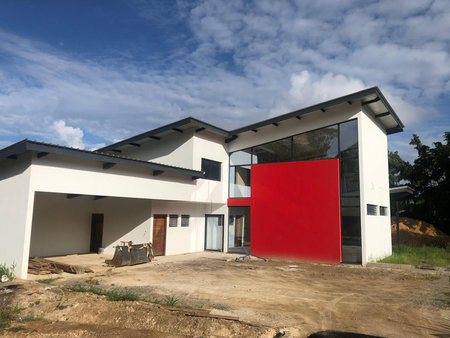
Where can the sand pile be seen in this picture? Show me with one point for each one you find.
(417, 233)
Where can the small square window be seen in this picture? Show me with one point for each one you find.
(173, 220)
(211, 169)
(372, 209)
(184, 220)
(383, 211)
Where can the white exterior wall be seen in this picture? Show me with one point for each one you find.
(53, 173)
(16, 206)
(62, 226)
(374, 185)
(173, 149)
(180, 239)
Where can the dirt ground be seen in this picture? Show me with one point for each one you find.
(217, 296)
(417, 233)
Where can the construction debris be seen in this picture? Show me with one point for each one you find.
(42, 266)
(131, 254)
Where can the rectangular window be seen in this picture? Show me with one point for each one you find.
(212, 169)
(349, 175)
(184, 220)
(348, 138)
(173, 220)
(372, 209)
(316, 145)
(241, 157)
(278, 151)
(240, 181)
(383, 211)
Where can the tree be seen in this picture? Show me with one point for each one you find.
(430, 177)
(398, 169)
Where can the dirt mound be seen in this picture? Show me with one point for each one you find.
(418, 233)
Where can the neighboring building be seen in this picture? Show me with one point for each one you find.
(311, 184)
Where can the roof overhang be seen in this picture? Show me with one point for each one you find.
(372, 99)
(161, 132)
(401, 192)
(42, 149)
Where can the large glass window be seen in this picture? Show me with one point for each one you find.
(348, 138)
(316, 145)
(239, 230)
(278, 151)
(241, 157)
(240, 181)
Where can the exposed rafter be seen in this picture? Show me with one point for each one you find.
(371, 101)
(177, 130)
(135, 144)
(199, 129)
(70, 196)
(42, 154)
(383, 114)
(157, 172)
(99, 197)
(155, 137)
(108, 165)
(232, 138)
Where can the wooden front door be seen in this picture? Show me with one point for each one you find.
(159, 235)
(96, 232)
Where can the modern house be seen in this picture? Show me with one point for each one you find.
(311, 184)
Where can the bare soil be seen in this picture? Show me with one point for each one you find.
(257, 299)
(417, 233)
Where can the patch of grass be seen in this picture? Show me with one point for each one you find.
(424, 255)
(114, 295)
(8, 270)
(7, 315)
(48, 280)
(17, 329)
(170, 300)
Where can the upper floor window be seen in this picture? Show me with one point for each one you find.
(212, 169)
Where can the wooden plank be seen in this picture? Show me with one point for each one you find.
(38, 265)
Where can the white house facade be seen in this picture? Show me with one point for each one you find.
(311, 184)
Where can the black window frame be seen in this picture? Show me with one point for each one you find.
(183, 219)
(383, 210)
(173, 217)
(216, 173)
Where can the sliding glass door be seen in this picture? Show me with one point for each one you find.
(214, 232)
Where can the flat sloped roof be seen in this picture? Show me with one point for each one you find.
(372, 98)
(109, 160)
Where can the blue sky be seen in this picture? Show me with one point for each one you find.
(88, 73)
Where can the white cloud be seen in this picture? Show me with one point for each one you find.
(242, 62)
(72, 137)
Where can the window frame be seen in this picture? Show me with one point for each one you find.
(206, 161)
(171, 217)
(183, 219)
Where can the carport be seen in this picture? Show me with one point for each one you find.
(59, 200)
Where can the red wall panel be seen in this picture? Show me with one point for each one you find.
(295, 210)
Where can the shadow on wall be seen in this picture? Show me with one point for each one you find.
(62, 226)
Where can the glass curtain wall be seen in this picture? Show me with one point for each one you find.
(239, 230)
(336, 141)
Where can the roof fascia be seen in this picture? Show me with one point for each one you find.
(321, 106)
(162, 129)
(389, 108)
(27, 145)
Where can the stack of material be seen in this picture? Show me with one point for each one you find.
(42, 266)
(131, 254)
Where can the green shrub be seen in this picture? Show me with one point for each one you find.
(8, 270)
